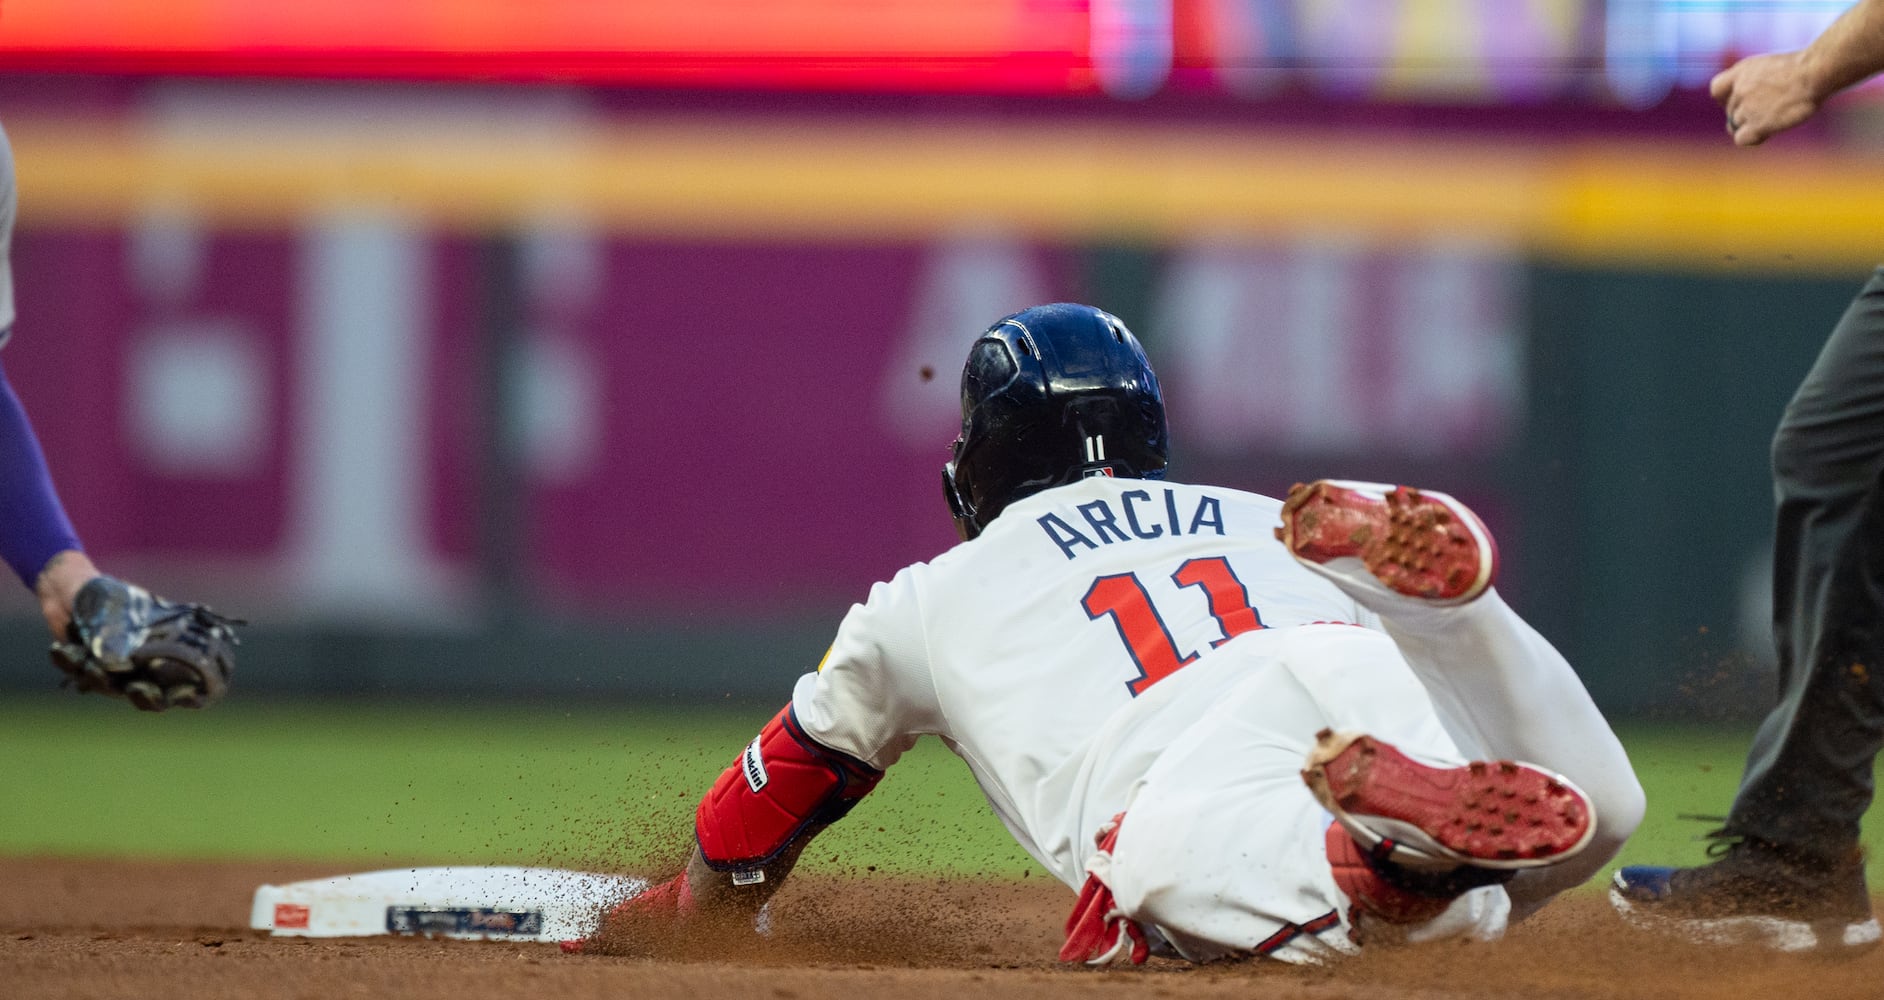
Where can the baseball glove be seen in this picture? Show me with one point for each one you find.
(126, 643)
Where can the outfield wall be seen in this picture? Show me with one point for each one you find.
(549, 391)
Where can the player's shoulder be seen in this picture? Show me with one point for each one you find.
(1224, 494)
(900, 597)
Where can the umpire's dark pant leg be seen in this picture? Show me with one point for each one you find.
(1808, 779)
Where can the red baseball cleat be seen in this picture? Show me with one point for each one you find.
(1376, 889)
(1496, 815)
(668, 903)
(1410, 542)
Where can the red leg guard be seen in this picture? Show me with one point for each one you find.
(783, 785)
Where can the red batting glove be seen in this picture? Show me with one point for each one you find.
(1097, 931)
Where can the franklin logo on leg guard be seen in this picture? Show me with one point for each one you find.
(754, 763)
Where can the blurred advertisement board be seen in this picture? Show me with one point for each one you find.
(698, 424)
(1477, 51)
(1471, 51)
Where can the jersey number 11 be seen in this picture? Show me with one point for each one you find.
(1122, 596)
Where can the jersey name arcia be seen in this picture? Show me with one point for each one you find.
(1138, 515)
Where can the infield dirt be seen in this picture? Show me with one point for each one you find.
(77, 928)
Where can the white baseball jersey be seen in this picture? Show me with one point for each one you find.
(1150, 647)
(1027, 648)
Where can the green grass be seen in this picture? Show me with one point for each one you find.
(424, 783)
(1687, 770)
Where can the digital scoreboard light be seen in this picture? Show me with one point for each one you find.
(1471, 51)
(993, 45)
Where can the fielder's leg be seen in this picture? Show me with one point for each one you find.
(1808, 777)
(1424, 563)
(1789, 873)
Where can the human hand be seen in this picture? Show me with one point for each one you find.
(1765, 95)
(58, 586)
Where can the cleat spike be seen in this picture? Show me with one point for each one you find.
(1409, 543)
(1490, 814)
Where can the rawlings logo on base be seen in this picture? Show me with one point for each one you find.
(291, 916)
(753, 763)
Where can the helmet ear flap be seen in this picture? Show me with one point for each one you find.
(959, 501)
(959, 506)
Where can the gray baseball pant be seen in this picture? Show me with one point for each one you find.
(1808, 780)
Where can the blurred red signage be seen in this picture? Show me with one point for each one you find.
(993, 45)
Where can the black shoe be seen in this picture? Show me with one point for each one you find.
(1754, 893)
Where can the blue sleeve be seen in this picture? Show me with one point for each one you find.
(33, 524)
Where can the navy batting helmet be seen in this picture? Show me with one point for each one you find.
(1051, 395)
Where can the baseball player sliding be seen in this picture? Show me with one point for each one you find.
(1235, 726)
